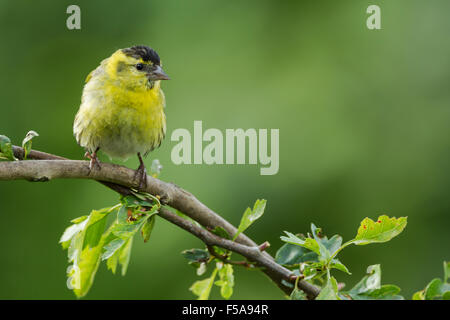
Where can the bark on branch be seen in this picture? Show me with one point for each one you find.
(45, 167)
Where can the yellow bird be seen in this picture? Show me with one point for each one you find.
(122, 107)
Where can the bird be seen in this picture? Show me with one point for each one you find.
(122, 108)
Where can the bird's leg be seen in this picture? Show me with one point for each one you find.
(94, 160)
(141, 173)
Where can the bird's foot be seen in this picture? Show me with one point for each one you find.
(94, 160)
(141, 174)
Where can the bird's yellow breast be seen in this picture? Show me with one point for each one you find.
(120, 120)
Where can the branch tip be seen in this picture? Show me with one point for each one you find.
(264, 246)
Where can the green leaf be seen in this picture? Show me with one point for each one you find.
(324, 254)
(127, 230)
(333, 244)
(147, 228)
(312, 270)
(291, 255)
(446, 271)
(297, 294)
(124, 255)
(370, 288)
(84, 251)
(418, 295)
(196, 255)
(113, 261)
(140, 199)
(382, 230)
(226, 282)
(251, 216)
(386, 292)
(202, 288)
(122, 215)
(330, 291)
(112, 247)
(308, 243)
(436, 289)
(95, 227)
(120, 257)
(433, 289)
(6, 149)
(336, 264)
(368, 283)
(71, 231)
(26, 143)
(88, 243)
(79, 219)
(221, 232)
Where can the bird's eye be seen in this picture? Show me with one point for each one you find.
(139, 66)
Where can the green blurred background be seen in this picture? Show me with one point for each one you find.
(363, 118)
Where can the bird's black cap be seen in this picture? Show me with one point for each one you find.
(144, 52)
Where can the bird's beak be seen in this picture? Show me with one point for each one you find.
(157, 73)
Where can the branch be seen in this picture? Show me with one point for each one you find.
(46, 167)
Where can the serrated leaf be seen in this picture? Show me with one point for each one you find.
(95, 227)
(196, 255)
(308, 243)
(202, 288)
(226, 282)
(297, 294)
(147, 228)
(85, 249)
(124, 255)
(370, 288)
(250, 216)
(290, 255)
(138, 200)
(71, 231)
(112, 262)
(332, 244)
(6, 149)
(112, 247)
(336, 264)
(330, 291)
(433, 289)
(369, 282)
(382, 230)
(127, 230)
(436, 289)
(26, 143)
(324, 253)
(386, 292)
(122, 215)
(221, 232)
